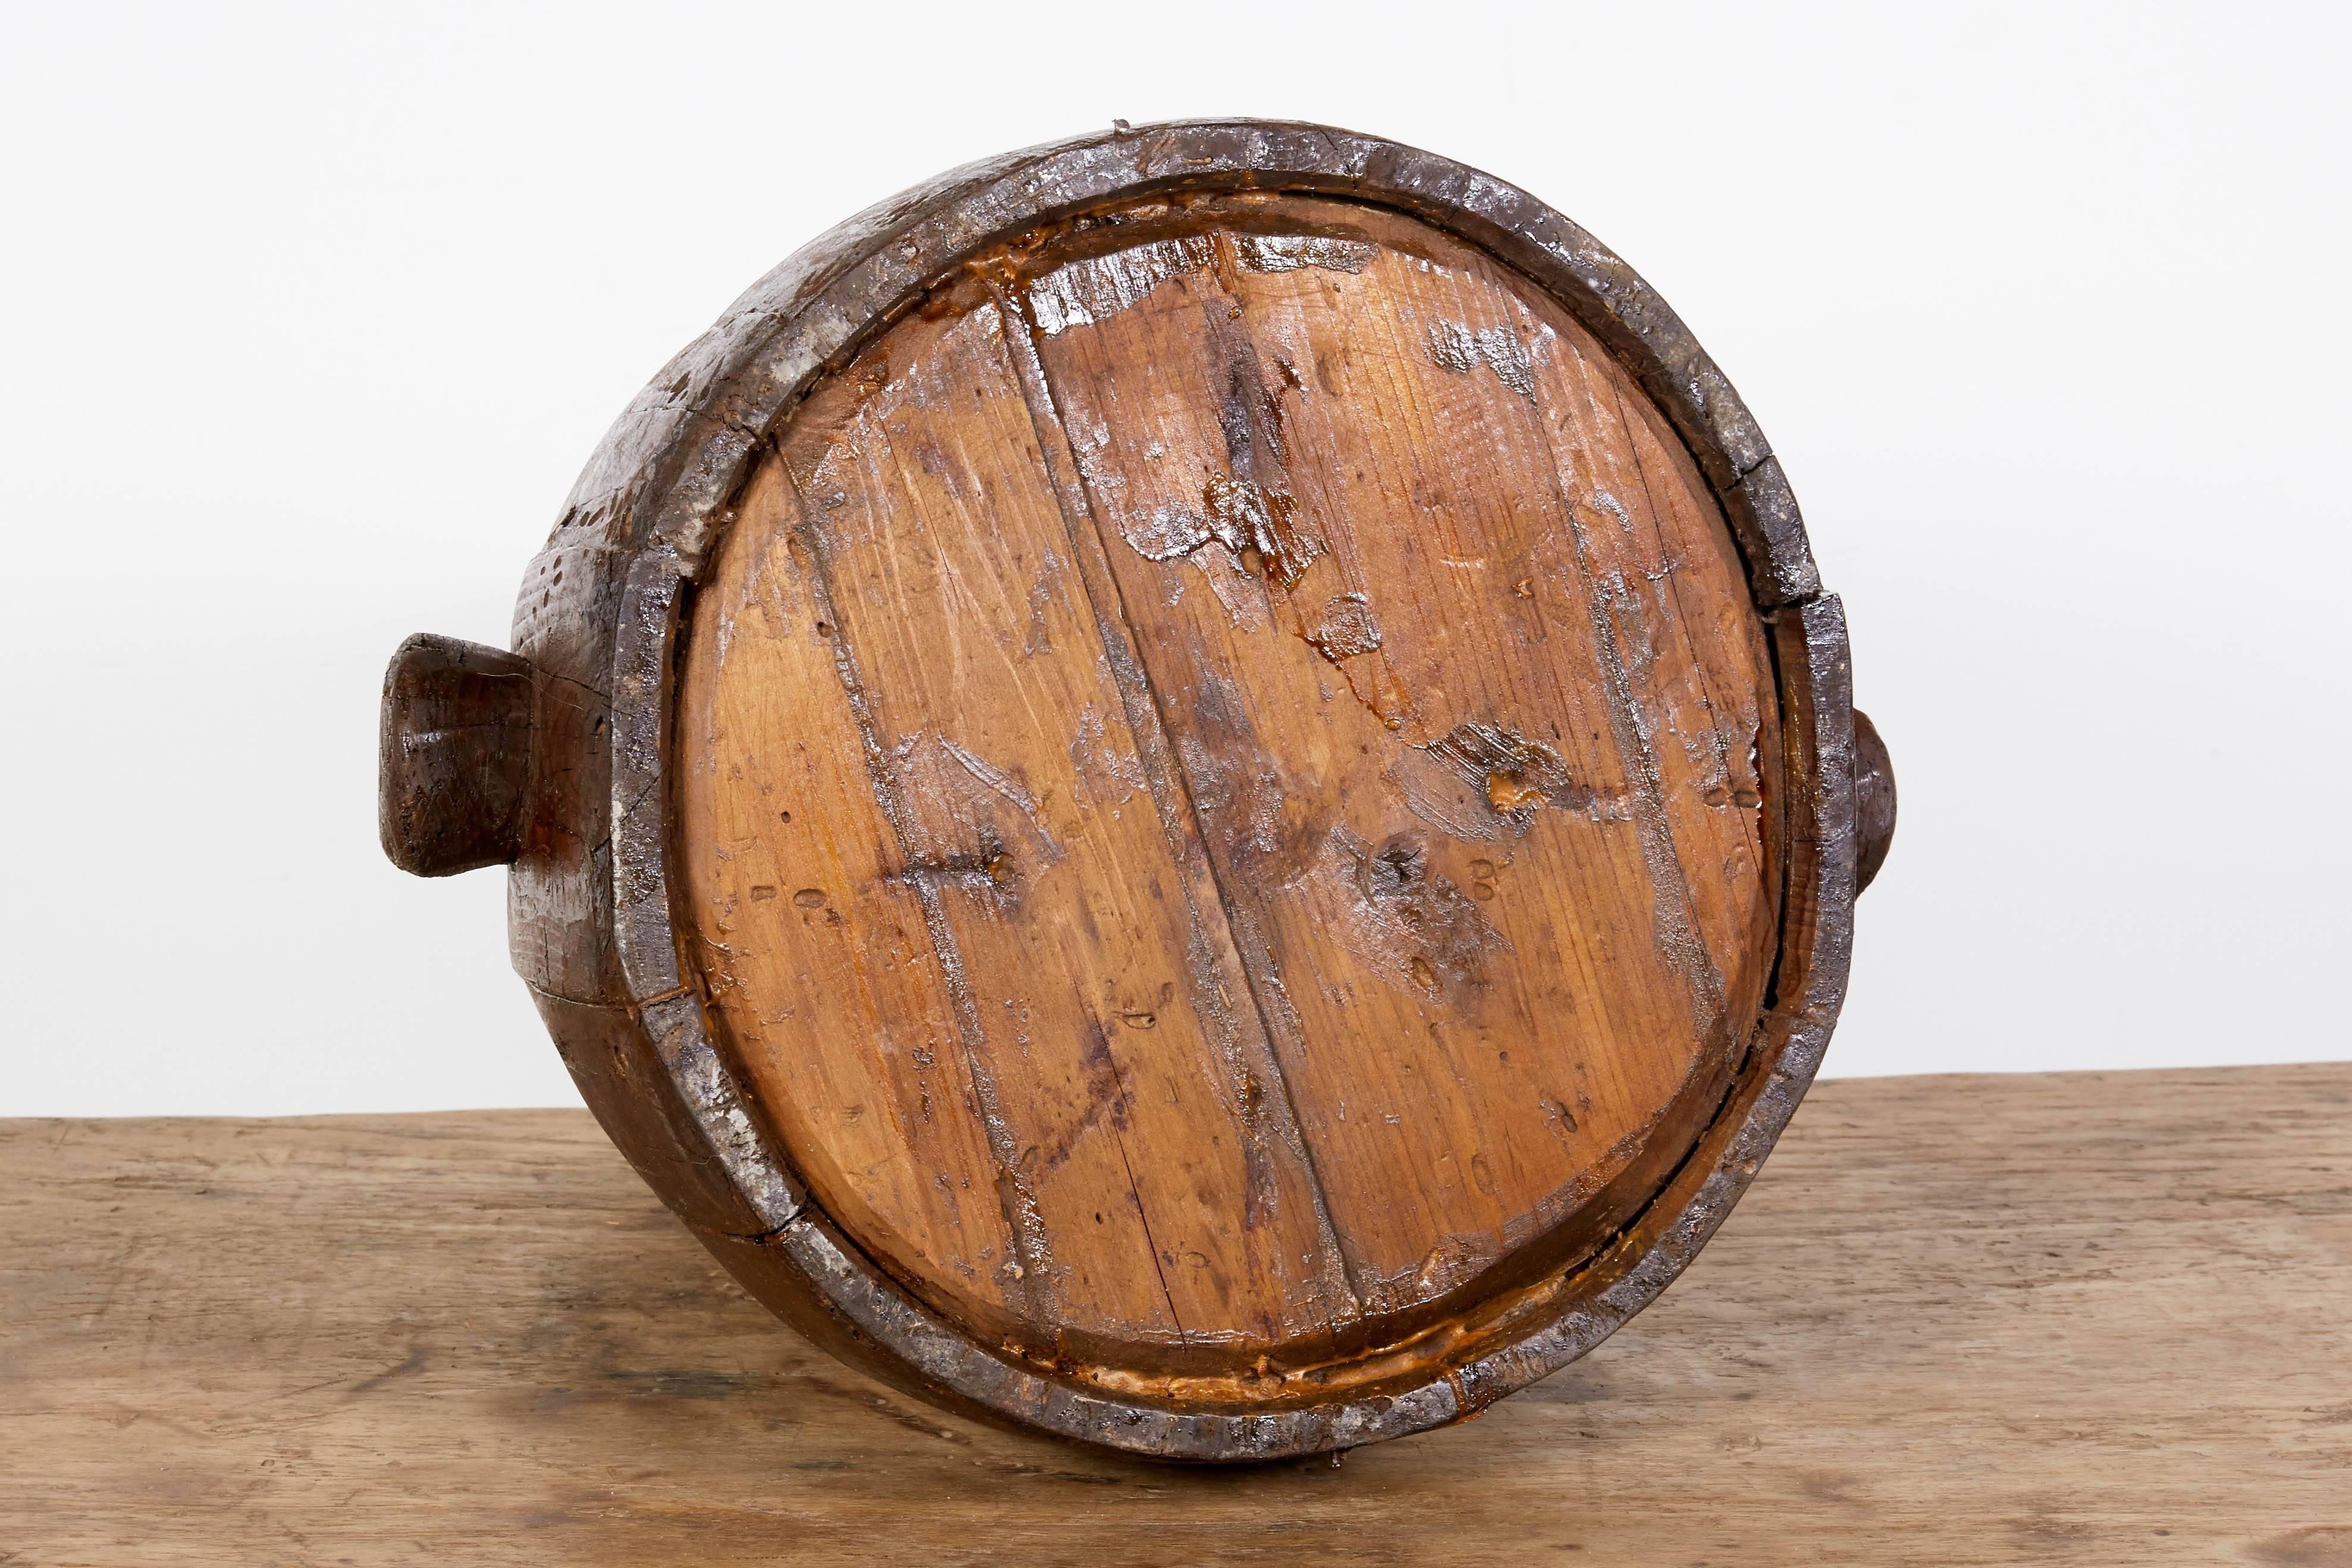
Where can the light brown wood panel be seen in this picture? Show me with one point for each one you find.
(2027, 1319)
(1469, 923)
(1648, 544)
(1221, 796)
(1463, 370)
(1090, 997)
(811, 938)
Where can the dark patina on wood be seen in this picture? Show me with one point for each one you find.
(983, 382)
(1873, 800)
(455, 755)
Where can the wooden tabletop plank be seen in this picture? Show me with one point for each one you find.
(2098, 1317)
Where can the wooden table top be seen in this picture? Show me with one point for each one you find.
(2104, 1318)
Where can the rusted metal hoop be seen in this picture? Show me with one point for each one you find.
(654, 500)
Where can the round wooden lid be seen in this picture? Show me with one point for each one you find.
(1216, 831)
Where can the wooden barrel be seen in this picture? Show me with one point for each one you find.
(1192, 789)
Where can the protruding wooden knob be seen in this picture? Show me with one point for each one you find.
(1873, 800)
(456, 755)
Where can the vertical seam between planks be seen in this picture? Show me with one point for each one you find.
(1085, 527)
(1674, 589)
(1024, 1225)
(1693, 961)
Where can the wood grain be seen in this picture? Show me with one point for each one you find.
(942, 969)
(2072, 1318)
(1479, 931)
(729, 1053)
(1221, 790)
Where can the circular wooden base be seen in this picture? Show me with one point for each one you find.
(1225, 823)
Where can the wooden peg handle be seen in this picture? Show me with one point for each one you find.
(456, 755)
(1873, 800)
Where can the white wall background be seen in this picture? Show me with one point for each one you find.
(309, 314)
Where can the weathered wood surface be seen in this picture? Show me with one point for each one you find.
(2072, 1318)
(1220, 773)
(1491, 906)
(1874, 801)
(454, 756)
